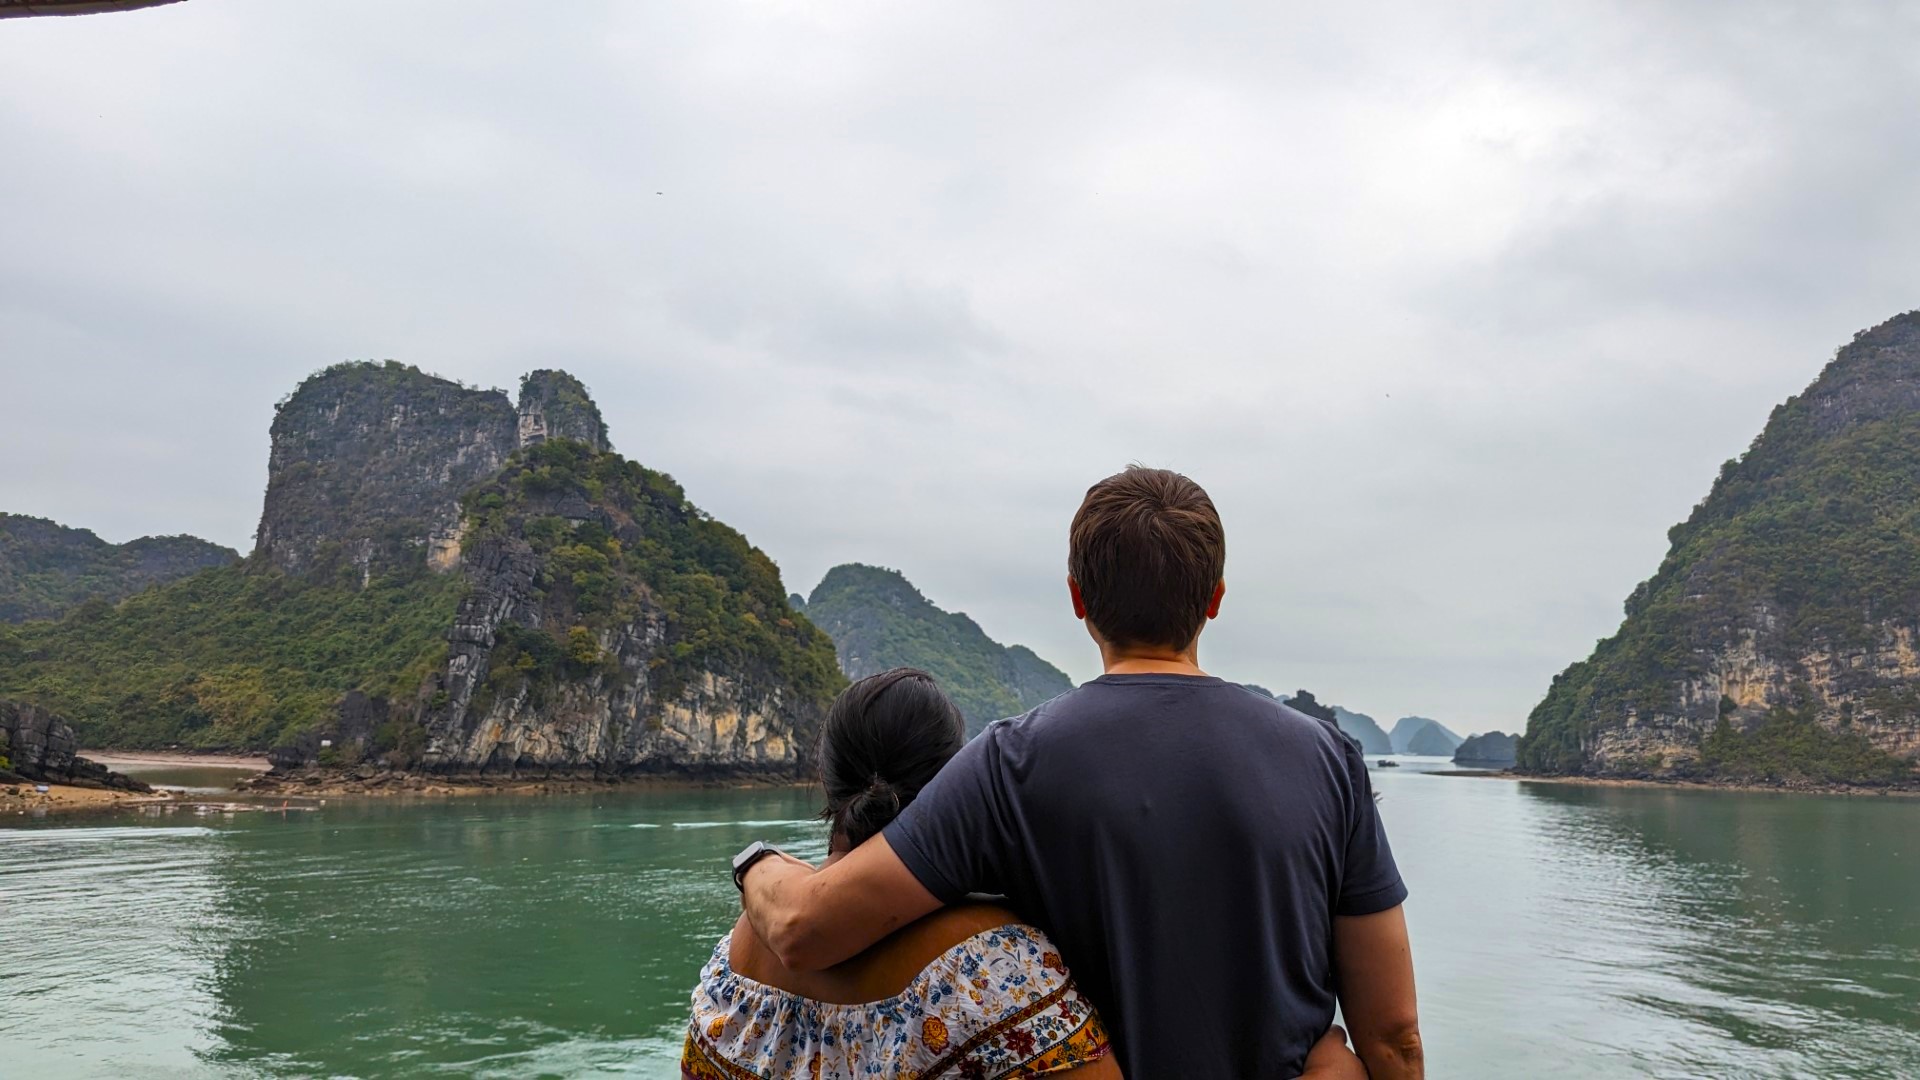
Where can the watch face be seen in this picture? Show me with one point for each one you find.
(747, 855)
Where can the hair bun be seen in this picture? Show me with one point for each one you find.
(871, 810)
(884, 737)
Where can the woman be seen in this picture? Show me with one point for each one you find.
(966, 992)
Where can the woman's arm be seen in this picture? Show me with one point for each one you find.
(1331, 1060)
(813, 919)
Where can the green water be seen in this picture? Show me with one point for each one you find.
(1558, 931)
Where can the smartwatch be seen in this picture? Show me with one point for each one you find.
(744, 861)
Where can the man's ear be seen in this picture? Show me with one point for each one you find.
(1079, 605)
(1213, 606)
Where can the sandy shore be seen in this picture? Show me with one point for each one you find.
(120, 759)
(332, 783)
(17, 800)
(1691, 785)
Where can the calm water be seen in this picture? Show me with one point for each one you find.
(1558, 931)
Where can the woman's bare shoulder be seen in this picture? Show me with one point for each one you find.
(955, 924)
(908, 950)
(883, 970)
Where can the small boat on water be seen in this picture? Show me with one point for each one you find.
(1383, 763)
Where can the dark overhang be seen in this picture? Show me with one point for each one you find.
(13, 9)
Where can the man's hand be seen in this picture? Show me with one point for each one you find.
(1331, 1060)
(775, 875)
(1375, 967)
(813, 919)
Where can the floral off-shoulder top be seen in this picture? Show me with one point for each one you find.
(999, 1004)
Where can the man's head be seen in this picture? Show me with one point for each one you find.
(1145, 556)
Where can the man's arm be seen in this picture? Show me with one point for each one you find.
(1374, 963)
(813, 919)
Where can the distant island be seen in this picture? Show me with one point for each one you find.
(1364, 728)
(1492, 749)
(878, 620)
(1419, 735)
(1777, 642)
(1357, 726)
(48, 569)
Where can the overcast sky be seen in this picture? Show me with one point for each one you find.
(1454, 308)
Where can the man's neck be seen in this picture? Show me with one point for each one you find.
(1151, 660)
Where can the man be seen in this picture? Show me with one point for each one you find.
(1209, 861)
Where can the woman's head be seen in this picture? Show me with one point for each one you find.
(885, 737)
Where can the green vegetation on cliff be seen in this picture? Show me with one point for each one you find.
(249, 657)
(1790, 746)
(1807, 544)
(231, 658)
(618, 543)
(878, 620)
(47, 569)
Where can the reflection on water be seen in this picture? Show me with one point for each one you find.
(506, 937)
(1558, 930)
(1780, 929)
(1637, 932)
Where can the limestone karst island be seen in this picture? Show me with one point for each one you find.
(1776, 642)
(446, 582)
(449, 582)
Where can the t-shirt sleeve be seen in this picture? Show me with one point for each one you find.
(1370, 881)
(954, 836)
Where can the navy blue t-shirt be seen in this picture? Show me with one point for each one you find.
(1187, 843)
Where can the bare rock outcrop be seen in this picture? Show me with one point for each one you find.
(40, 746)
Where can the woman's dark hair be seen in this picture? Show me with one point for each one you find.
(885, 737)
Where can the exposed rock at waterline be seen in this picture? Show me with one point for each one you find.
(38, 745)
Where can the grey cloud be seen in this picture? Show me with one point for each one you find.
(1454, 308)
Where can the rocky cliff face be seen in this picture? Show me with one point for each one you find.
(37, 745)
(369, 462)
(1777, 640)
(367, 467)
(878, 621)
(679, 651)
(47, 569)
(608, 627)
(615, 715)
(554, 405)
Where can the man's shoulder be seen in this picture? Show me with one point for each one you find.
(1046, 716)
(1080, 711)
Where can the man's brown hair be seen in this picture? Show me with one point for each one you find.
(1147, 550)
